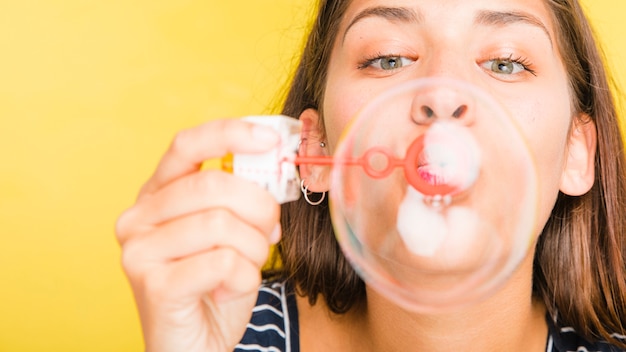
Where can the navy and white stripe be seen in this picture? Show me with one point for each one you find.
(274, 323)
(566, 339)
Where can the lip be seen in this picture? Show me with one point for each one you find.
(436, 164)
(433, 175)
(442, 162)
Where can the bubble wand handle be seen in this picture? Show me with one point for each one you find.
(378, 163)
(385, 165)
(319, 160)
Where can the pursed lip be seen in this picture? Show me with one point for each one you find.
(444, 161)
(435, 164)
(433, 174)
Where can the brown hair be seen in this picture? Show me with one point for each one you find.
(580, 263)
(309, 254)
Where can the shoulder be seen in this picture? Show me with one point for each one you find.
(566, 339)
(274, 322)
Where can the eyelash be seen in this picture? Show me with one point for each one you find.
(526, 64)
(369, 61)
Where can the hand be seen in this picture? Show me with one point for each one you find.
(195, 241)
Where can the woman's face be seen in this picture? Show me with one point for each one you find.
(507, 48)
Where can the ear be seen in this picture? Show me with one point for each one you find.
(579, 172)
(312, 144)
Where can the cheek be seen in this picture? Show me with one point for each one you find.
(342, 102)
(546, 128)
(545, 124)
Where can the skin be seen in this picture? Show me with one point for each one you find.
(448, 39)
(195, 283)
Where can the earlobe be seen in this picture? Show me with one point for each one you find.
(313, 144)
(579, 172)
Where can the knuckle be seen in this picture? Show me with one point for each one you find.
(229, 127)
(231, 232)
(123, 227)
(219, 219)
(198, 184)
(261, 257)
(156, 286)
(184, 141)
(270, 216)
(258, 256)
(248, 278)
(221, 124)
(227, 259)
(274, 212)
(180, 143)
(130, 258)
(207, 183)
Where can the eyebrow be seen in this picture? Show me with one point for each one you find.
(501, 18)
(393, 14)
(485, 17)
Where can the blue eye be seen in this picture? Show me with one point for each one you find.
(387, 63)
(507, 66)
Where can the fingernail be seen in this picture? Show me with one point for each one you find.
(264, 134)
(275, 235)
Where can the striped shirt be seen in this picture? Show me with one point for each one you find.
(565, 339)
(274, 327)
(274, 323)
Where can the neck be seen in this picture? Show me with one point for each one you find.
(510, 319)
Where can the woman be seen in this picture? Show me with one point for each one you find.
(194, 243)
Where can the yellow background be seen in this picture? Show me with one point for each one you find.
(91, 93)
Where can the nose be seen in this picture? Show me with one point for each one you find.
(441, 103)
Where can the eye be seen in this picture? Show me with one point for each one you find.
(387, 62)
(507, 66)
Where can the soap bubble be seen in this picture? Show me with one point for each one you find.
(434, 194)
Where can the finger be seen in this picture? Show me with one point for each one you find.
(199, 192)
(222, 270)
(210, 140)
(194, 234)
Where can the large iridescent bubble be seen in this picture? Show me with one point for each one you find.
(434, 194)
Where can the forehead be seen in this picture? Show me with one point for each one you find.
(438, 12)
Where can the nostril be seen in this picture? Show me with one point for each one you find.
(460, 111)
(428, 111)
